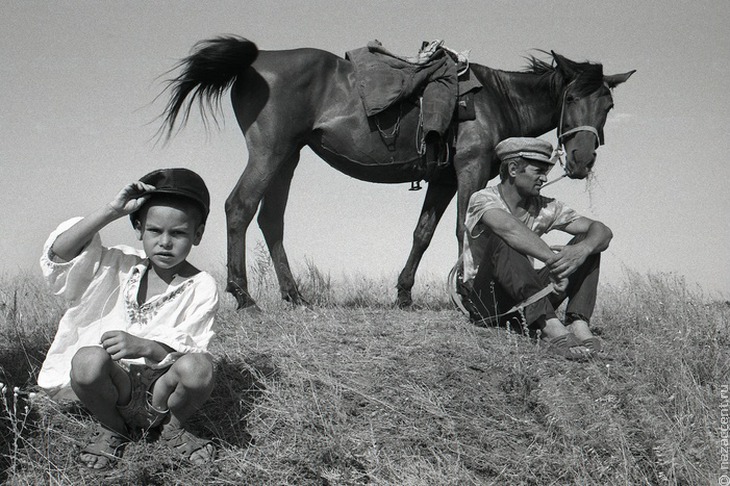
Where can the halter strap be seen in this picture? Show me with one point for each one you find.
(582, 128)
(559, 153)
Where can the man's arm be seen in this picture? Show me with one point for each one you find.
(598, 235)
(597, 238)
(516, 234)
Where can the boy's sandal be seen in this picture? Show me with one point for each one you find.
(593, 344)
(194, 449)
(107, 447)
(564, 346)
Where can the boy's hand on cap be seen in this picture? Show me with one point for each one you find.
(131, 198)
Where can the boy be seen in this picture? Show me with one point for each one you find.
(133, 343)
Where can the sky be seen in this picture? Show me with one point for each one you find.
(79, 108)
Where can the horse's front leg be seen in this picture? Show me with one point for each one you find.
(438, 197)
(472, 176)
(271, 222)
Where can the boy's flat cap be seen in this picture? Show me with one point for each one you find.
(179, 182)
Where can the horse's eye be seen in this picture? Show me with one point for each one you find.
(571, 99)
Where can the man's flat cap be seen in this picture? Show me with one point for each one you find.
(525, 147)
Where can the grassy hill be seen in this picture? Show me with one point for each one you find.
(352, 391)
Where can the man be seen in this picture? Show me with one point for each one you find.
(503, 228)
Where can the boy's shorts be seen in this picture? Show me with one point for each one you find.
(139, 412)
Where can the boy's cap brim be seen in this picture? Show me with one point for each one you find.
(179, 182)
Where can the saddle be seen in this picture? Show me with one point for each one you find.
(438, 80)
(385, 79)
(438, 77)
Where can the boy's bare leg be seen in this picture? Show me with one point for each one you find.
(101, 385)
(184, 389)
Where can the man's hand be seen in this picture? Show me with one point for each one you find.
(120, 344)
(131, 198)
(559, 286)
(567, 261)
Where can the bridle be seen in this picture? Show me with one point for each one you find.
(559, 153)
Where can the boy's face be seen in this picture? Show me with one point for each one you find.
(168, 232)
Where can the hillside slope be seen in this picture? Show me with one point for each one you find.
(353, 391)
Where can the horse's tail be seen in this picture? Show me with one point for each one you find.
(207, 73)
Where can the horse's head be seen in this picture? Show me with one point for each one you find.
(584, 105)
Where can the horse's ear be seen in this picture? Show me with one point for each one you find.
(615, 79)
(565, 66)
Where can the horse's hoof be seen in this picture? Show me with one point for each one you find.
(404, 300)
(243, 300)
(247, 305)
(252, 310)
(296, 299)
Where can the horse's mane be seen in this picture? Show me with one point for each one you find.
(588, 79)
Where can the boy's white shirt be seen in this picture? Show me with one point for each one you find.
(101, 287)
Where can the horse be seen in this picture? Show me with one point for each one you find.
(284, 100)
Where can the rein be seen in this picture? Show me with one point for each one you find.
(456, 299)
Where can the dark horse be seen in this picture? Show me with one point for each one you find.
(284, 100)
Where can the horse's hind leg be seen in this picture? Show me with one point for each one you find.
(241, 206)
(271, 222)
(438, 197)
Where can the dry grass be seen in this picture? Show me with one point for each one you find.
(353, 391)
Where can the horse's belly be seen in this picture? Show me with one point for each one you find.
(380, 149)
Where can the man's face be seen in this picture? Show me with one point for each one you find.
(530, 180)
(168, 233)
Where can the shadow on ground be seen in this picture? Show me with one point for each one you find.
(238, 384)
